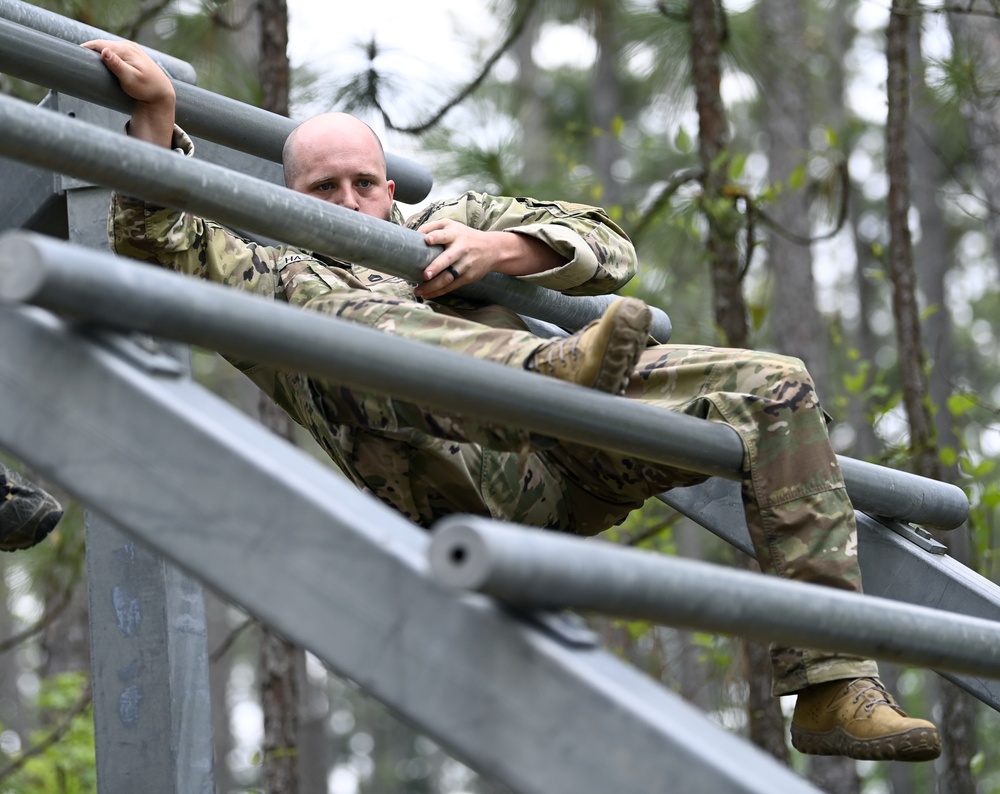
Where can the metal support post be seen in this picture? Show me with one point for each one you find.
(149, 642)
(121, 295)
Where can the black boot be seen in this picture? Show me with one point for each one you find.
(27, 513)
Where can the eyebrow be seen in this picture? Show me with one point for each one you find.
(370, 175)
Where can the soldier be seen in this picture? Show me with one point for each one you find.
(429, 465)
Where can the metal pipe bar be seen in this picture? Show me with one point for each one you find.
(51, 141)
(545, 570)
(117, 293)
(39, 58)
(53, 24)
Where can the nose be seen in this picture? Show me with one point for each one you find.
(345, 197)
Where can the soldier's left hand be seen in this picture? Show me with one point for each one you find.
(470, 254)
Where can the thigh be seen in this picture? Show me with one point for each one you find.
(716, 384)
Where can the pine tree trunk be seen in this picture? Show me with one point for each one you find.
(956, 720)
(279, 660)
(274, 67)
(606, 99)
(912, 360)
(713, 138)
(958, 714)
(797, 327)
(279, 696)
(978, 38)
(764, 716)
(530, 104)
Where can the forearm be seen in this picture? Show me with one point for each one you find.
(562, 246)
(521, 255)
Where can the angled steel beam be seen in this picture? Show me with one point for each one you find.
(122, 295)
(61, 144)
(40, 19)
(335, 571)
(51, 62)
(548, 570)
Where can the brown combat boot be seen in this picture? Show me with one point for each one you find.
(859, 719)
(601, 355)
(27, 513)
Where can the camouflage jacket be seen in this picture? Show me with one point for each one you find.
(600, 260)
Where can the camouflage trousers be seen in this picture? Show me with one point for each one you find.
(796, 506)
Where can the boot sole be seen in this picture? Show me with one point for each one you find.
(629, 332)
(917, 744)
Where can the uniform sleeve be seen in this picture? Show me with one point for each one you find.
(601, 258)
(188, 244)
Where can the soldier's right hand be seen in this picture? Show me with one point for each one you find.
(146, 83)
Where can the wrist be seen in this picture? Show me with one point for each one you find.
(524, 255)
(154, 122)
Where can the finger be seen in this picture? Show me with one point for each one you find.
(443, 236)
(433, 226)
(441, 263)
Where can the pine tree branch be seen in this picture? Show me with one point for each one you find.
(676, 182)
(462, 95)
(799, 239)
(146, 13)
(231, 638)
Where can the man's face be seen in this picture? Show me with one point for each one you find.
(344, 166)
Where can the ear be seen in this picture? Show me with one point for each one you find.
(391, 187)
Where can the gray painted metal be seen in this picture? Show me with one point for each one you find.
(248, 514)
(149, 643)
(102, 157)
(42, 59)
(149, 669)
(118, 294)
(892, 565)
(548, 570)
(61, 27)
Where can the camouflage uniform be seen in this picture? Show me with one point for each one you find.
(429, 465)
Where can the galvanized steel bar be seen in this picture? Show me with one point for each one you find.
(50, 141)
(39, 58)
(119, 294)
(53, 24)
(547, 570)
(275, 530)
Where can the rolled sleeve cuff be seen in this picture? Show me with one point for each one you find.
(582, 266)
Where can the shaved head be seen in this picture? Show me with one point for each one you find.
(339, 158)
(316, 133)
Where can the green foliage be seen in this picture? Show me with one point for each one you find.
(64, 766)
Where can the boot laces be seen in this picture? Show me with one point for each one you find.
(559, 351)
(878, 696)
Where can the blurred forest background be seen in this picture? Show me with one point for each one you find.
(816, 177)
